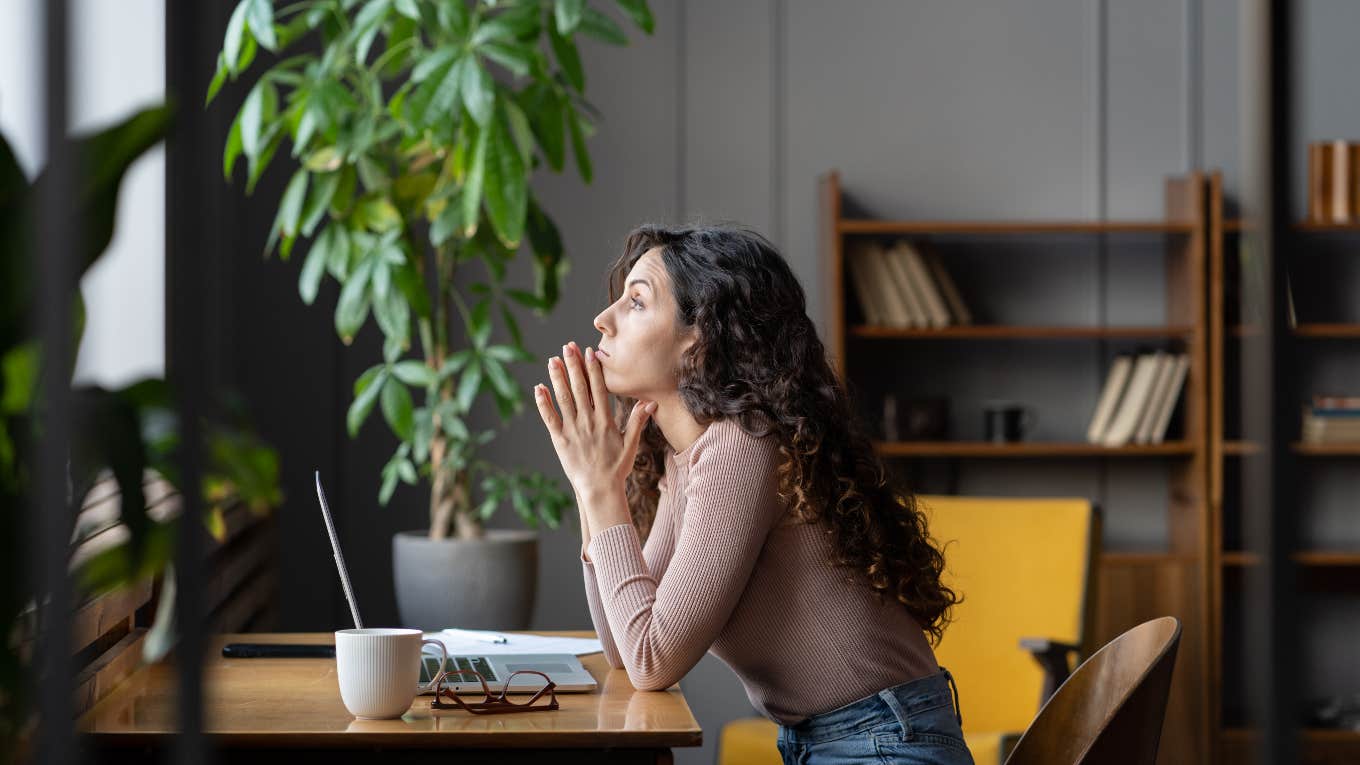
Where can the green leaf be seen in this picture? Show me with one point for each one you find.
(546, 114)
(257, 165)
(397, 408)
(366, 379)
(506, 186)
(366, 27)
(364, 401)
(568, 15)
(290, 207)
(412, 286)
(377, 213)
(547, 246)
(509, 318)
(232, 149)
(314, 267)
(433, 100)
(407, 471)
(437, 61)
(415, 373)
(472, 184)
(389, 484)
(408, 9)
(578, 145)
(479, 324)
(252, 117)
(601, 27)
(519, 130)
(564, 48)
(479, 92)
(455, 362)
(641, 15)
(318, 201)
(323, 160)
(518, 22)
(338, 256)
(508, 353)
(219, 78)
(469, 385)
(393, 315)
(446, 224)
(500, 379)
(261, 20)
(513, 57)
(236, 27)
(352, 308)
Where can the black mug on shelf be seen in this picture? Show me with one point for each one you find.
(1005, 422)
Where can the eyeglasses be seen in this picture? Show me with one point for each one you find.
(497, 704)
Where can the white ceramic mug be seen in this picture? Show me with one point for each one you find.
(379, 669)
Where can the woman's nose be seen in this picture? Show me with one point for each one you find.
(600, 322)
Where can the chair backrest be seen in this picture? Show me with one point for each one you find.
(1023, 566)
(1111, 709)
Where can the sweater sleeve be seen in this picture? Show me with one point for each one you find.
(653, 553)
(597, 616)
(662, 628)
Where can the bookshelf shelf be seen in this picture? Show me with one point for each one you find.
(1312, 558)
(985, 228)
(1326, 450)
(1014, 332)
(1327, 330)
(985, 449)
(1316, 226)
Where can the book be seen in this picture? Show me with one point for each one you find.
(1161, 383)
(949, 289)
(895, 313)
(925, 286)
(898, 267)
(1115, 382)
(858, 266)
(1134, 400)
(1173, 396)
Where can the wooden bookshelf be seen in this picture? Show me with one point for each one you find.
(1332, 570)
(990, 228)
(1132, 586)
(1023, 449)
(1012, 332)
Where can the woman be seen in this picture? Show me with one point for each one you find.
(773, 537)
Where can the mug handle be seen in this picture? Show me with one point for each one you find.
(443, 658)
(1028, 422)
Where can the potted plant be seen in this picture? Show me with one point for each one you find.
(417, 125)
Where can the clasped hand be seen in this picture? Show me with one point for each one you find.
(595, 456)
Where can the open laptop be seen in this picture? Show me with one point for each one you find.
(565, 669)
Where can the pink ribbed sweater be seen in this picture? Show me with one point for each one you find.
(724, 571)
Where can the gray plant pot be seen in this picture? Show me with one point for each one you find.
(469, 583)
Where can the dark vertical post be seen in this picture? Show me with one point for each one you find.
(53, 253)
(188, 258)
(1269, 393)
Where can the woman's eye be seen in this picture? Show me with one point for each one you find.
(636, 303)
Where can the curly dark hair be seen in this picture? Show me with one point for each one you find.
(757, 359)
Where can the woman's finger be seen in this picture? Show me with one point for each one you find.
(580, 388)
(546, 410)
(558, 374)
(632, 431)
(599, 395)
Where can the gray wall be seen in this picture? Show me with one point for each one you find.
(930, 108)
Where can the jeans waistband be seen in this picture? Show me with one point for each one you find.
(896, 703)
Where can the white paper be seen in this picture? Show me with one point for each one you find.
(458, 643)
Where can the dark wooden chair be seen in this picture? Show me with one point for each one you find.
(1110, 711)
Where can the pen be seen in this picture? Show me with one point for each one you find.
(485, 637)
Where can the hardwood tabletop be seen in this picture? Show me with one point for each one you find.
(296, 702)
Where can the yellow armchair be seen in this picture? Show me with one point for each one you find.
(1024, 567)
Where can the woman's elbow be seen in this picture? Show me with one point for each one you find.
(650, 681)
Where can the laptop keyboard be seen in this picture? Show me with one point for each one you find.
(477, 663)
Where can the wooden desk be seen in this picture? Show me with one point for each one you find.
(265, 710)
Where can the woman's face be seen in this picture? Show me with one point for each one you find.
(640, 340)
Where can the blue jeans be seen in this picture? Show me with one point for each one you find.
(916, 723)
